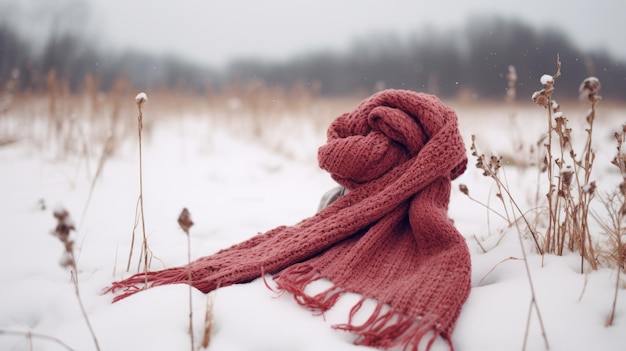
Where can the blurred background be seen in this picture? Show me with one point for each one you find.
(457, 49)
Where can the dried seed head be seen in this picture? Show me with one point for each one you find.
(560, 121)
(140, 99)
(495, 161)
(589, 89)
(620, 158)
(65, 224)
(184, 220)
(62, 231)
(591, 85)
(463, 188)
(541, 98)
(566, 176)
(590, 188)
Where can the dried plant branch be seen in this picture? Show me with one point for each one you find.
(146, 253)
(543, 98)
(64, 227)
(491, 168)
(479, 244)
(494, 268)
(615, 204)
(185, 223)
(209, 319)
(141, 99)
(589, 89)
(570, 193)
(533, 301)
(465, 190)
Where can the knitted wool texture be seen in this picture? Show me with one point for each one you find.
(389, 238)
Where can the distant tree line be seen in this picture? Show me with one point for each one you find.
(72, 59)
(468, 62)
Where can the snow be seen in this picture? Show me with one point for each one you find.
(546, 79)
(534, 95)
(236, 186)
(141, 98)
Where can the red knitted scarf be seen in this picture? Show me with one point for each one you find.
(389, 238)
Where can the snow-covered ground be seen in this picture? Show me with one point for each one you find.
(235, 186)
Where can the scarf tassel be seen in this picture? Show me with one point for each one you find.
(143, 281)
(384, 328)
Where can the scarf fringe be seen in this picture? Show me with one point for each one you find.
(143, 281)
(385, 328)
(296, 278)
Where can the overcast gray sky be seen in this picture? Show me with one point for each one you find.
(215, 31)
